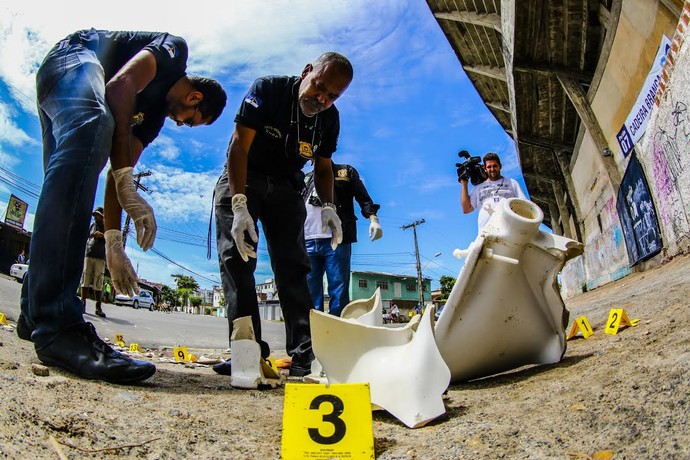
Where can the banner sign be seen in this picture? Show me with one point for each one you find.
(637, 214)
(635, 125)
(16, 212)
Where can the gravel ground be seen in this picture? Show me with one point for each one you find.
(626, 393)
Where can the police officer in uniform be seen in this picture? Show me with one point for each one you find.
(336, 262)
(282, 123)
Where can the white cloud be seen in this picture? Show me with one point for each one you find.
(10, 133)
(178, 195)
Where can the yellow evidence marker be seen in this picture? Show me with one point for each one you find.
(580, 325)
(181, 354)
(617, 318)
(324, 422)
(3, 319)
(120, 340)
(134, 347)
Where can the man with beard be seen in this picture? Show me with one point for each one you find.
(102, 95)
(489, 193)
(282, 123)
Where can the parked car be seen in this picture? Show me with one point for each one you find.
(142, 300)
(18, 271)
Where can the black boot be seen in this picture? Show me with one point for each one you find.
(23, 329)
(79, 350)
(223, 368)
(99, 310)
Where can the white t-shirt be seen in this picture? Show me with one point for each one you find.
(312, 224)
(491, 193)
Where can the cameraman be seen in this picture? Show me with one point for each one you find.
(489, 193)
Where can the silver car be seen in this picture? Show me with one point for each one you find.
(142, 300)
(18, 271)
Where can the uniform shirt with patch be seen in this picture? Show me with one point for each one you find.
(114, 49)
(490, 193)
(270, 108)
(347, 187)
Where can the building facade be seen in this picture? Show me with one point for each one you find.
(401, 290)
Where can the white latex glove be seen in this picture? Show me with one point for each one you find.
(137, 208)
(375, 230)
(121, 271)
(243, 222)
(329, 218)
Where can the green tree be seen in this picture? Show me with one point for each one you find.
(185, 286)
(169, 295)
(195, 301)
(186, 282)
(447, 283)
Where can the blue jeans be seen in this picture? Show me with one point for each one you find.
(336, 264)
(77, 129)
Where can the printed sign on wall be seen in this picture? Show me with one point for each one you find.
(636, 123)
(16, 212)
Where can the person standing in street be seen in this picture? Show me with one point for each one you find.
(486, 195)
(101, 95)
(94, 263)
(322, 257)
(282, 123)
(21, 258)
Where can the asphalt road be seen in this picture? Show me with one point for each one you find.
(151, 329)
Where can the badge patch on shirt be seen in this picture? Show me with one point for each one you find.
(170, 48)
(137, 119)
(273, 132)
(341, 174)
(305, 150)
(253, 100)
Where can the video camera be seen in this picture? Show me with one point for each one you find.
(471, 169)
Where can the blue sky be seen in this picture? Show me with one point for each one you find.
(405, 116)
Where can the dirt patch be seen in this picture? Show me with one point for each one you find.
(628, 393)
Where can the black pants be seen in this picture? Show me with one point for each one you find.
(280, 208)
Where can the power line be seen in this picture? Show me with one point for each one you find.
(163, 256)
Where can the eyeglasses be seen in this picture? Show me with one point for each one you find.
(190, 121)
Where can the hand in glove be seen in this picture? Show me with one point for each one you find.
(375, 230)
(243, 222)
(329, 218)
(123, 275)
(134, 205)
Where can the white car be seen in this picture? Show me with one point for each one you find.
(142, 300)
(18, 271)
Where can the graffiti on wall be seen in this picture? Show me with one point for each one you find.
(670, 144)
(604, 252)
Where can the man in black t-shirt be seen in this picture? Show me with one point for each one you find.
(101, 95)
(281, 124)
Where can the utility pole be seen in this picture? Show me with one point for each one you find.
(137, 186)
(420, 281)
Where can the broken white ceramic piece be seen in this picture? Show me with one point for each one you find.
(365, 311)
(249, 370)
(405, 371)
(505, 309)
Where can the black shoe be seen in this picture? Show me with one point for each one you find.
(299, 371)
(23, 329)
(79, 350)
(224, 368)
(100, 313)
